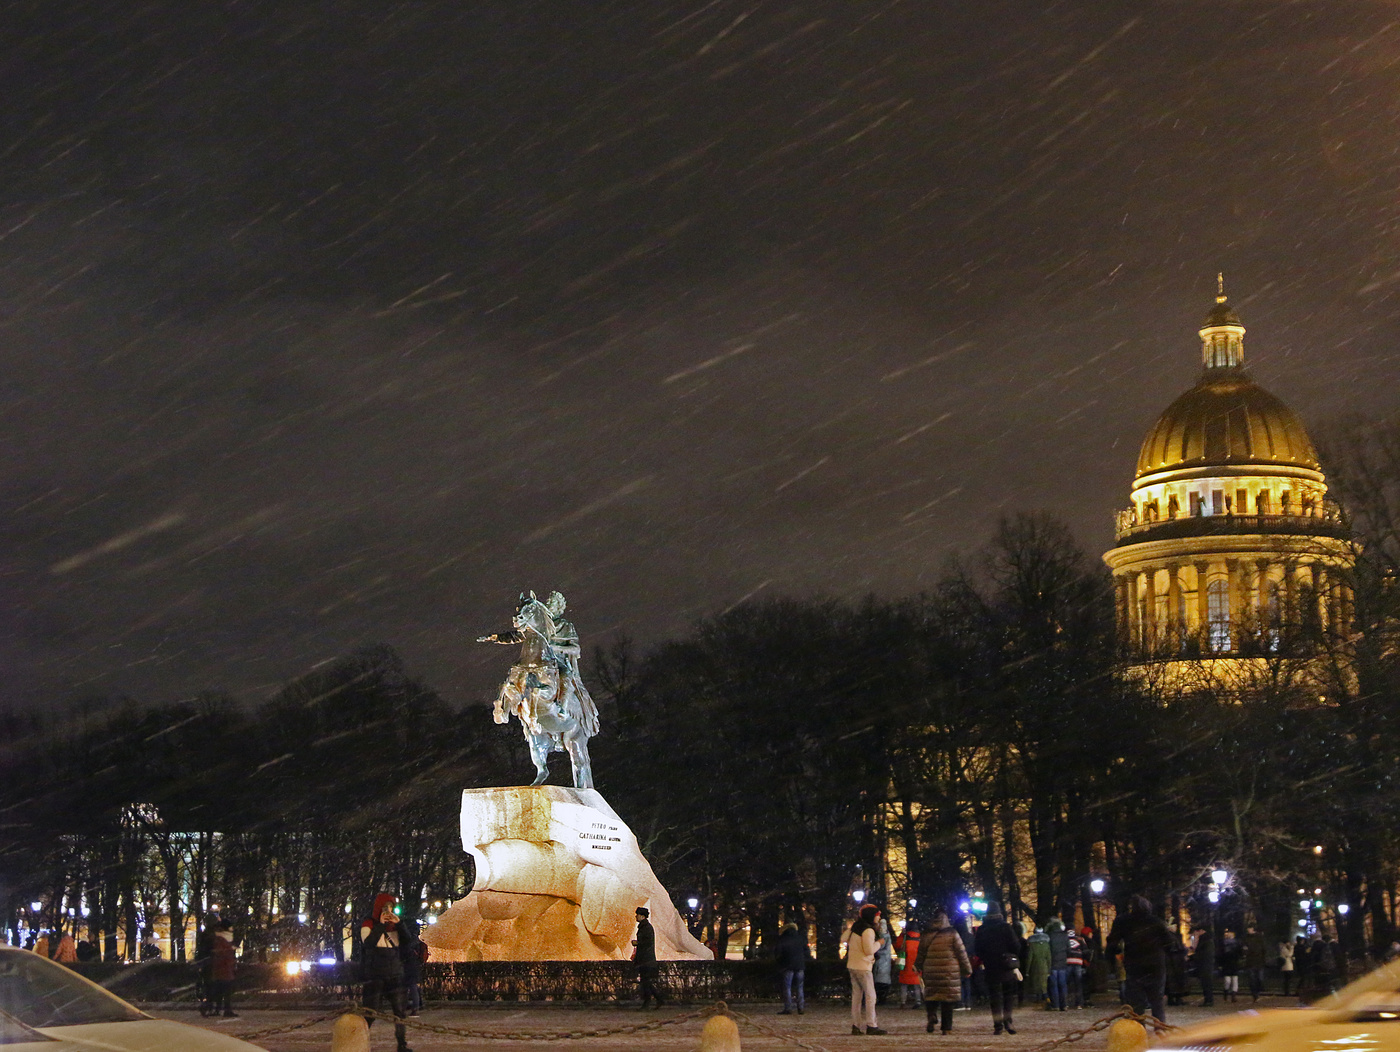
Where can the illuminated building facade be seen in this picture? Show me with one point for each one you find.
(1230, 553)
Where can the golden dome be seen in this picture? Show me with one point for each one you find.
(1226, 419)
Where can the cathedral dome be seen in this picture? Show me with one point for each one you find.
(1226, 420)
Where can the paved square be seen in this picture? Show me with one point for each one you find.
(826, 1025)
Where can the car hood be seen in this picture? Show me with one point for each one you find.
(1244, 1025)
(146, 1035)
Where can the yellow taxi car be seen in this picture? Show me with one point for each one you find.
(49, 1008)
(1361, 1017)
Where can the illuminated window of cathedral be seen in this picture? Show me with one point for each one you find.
(1218, 611)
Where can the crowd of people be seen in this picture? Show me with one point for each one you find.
(1147, 963)
(944, 965)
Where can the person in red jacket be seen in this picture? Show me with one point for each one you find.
(223, 965)
(911, 983)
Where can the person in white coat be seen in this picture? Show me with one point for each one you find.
(861, 946)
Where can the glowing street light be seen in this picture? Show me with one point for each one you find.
(913, 903)
(693, 902)
(1219, 877)
(36, 906)
(1213, 895)
(858, 895)
(1097, 885)
(1343, 908)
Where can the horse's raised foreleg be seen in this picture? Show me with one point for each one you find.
(583, 766)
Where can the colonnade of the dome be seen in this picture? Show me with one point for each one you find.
(1199, 604)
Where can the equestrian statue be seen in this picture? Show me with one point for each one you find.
(544, 688)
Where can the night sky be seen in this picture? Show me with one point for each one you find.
(328, 324)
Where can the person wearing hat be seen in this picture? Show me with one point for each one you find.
(943, 964)
(644, 955)
(792, 968)
(1000, 953)
(1144, 942)
(382, 967)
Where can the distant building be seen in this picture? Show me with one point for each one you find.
(1230, 558)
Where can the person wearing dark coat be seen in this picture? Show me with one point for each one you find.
(383, 944)
(792, 968)
(1178, 977)
(1231, 957)
(1059, 964)
(203, 959)
(943, 963)
(412, 954)
(1144, 942)
(644, 956)
(1204, 959)
(1256, 959)
(999, 950)
(1322, 967)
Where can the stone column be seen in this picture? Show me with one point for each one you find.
(1176, 630)
(1123, 611)
(1290, 594)
(1134, 625)
(1319, 603)
(1235, 590)
(1203, 602)
(1151, 633)
(1249, 599)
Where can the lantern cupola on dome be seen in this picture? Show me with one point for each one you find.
(1222, 335)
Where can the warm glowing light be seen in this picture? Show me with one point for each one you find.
(1317, 850)
(293, 967)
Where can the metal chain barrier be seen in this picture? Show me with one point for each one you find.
(288, 1028)
(764, 1028)
(1124, 1012)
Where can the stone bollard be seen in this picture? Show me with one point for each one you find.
(1127, 1035)
(350, 1034)
(721, 1034)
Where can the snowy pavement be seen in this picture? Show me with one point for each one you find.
(826, 1025)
